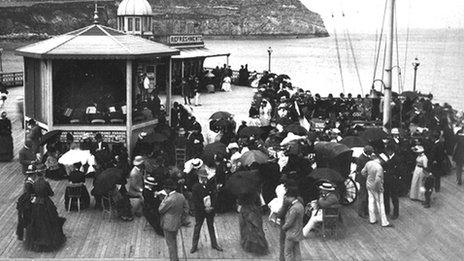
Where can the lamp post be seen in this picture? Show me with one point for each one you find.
(415, 64)
(269, 51)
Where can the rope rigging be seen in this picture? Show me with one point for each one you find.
(338, 55)
(348, 37)
(379, 41)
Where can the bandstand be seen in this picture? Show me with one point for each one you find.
(87, 82)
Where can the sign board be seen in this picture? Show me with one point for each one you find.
(186, 39)
(108, 136)
(318, 124)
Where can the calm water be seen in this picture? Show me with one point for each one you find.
(313, 64)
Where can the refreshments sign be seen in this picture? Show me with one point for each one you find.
(186, 39)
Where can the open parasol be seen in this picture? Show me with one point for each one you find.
(296, 129)
(220, 115)
(253, 156)
(51, 135)
(75, 156)
(327, 174)
(243, 182)
(410, 95)
(106, 180)
(212, 151)
(373, 134)
(354, 141)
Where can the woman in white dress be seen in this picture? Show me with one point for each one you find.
(417, 192)
(226, 84)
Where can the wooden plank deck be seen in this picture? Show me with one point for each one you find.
(436, 233)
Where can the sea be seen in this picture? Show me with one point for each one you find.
(313, 63)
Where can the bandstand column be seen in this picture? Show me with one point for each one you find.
(49, 93)
(129, 106)
(169, 92)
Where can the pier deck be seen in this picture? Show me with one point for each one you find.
(436, 233)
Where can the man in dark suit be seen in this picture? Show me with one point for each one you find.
(392, 167)
(458, 157)
(171, 209)
(293, 226)
(437, 158)
(362, 196)
(26, 156)
(204, 196)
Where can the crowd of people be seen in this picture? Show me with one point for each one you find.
(262, 166)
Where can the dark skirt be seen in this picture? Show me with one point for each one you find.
(84, 201)
(6, 148)
(57, 174)
(45, 231)
(252, 236)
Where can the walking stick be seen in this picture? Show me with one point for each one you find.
(182, 242)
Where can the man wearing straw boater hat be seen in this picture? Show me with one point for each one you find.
(328, 198)
(204, 195)
(172, 209)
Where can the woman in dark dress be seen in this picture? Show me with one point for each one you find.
(77, 181)
(24, 203)
(252, 236)
(6, 141)
(45, 231)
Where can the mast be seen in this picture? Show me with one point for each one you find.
(388, 64)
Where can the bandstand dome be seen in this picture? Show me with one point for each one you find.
(134, 8)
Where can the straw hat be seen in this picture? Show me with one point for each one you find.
(418, 149)
(197, 163)
(138, 160)
(142, 135)
(395, 131)
(150, 181)
(327, 186)
(31, 169)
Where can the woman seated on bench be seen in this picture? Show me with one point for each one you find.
(328, 198)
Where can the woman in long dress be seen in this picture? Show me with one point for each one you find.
(45, 231)
(77, 181)
(252, 238)
(416, 193)
(24, 203)
(6, 140)
(226, 84)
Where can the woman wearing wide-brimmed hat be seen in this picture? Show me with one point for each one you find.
(417, 192)
(6, 140)
(45, 231)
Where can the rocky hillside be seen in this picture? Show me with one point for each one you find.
(227, 18)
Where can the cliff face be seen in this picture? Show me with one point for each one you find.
(209, 17)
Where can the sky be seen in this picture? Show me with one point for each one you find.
(366, 15)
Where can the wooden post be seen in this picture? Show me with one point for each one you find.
(182, 72)
(49, 94)
(129, 107)
(1, 66)
(169, 91)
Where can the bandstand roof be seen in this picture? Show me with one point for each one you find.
(96, 42)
